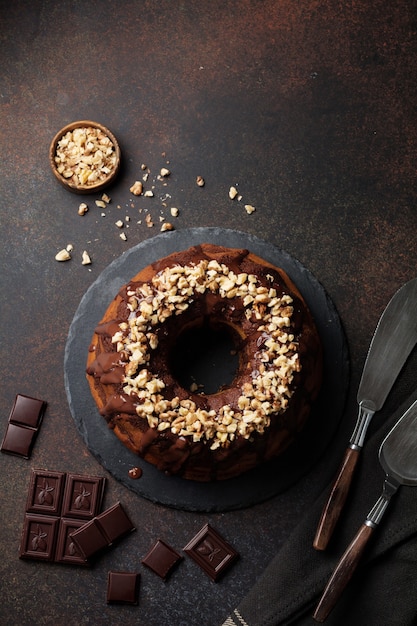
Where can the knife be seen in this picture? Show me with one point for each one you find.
(394, 338)
(398, 457)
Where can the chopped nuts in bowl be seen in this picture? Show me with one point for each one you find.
(84, 156)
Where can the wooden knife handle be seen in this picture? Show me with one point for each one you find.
(342, 573)
(335, 503)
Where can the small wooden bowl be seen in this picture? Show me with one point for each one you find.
(71, 183)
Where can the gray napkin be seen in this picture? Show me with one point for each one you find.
(383, 590)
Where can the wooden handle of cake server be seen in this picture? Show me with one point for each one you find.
(336, 501)
(342, 573)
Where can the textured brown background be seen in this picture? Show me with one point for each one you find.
(310, 108)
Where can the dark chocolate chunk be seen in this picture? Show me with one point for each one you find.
(212, 553)
(38, 537)
(45, 492)
(18, 440)
(89, 539)
(67, 550)
(114, 523)
(123, 588)
(27, 411)
(162, 559)
(83, 496)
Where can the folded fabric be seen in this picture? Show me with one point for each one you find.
(383, 589)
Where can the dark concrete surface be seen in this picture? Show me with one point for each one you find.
(310, 109)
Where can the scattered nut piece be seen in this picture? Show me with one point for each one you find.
(200, 181)
(101, 204)
(166, 226)
(69, 247)
(143, 166)
(82, 209)
(63, 255)
(136, 188)
(233, 193)
(165, 172)
(148, 194)
(149, 222)
(119, 224)
(123, 236)
(106, 198)
(249, 208)
(174, 211)
(86, 258)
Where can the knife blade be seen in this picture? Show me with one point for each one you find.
(394, 338)
(398, 457)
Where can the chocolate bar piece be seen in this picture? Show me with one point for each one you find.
(115, 523)
(123, 588)
(27, 411)
(18, 440)
(67, 550)
(162, 559)
(102, 531)
(212, 553)
(23, 425)
(45, 492)
(83, 496)
(38, 537)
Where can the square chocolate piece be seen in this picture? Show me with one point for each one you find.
(162, 559)
(67, 550)
(114, 523)
(123, 588)
(45, 492)
(89, 539)
(27, 411)
(38, 537)
(18, 440)
(83, 496)
(212, 553)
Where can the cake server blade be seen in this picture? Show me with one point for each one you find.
(398, 457)
(393, 340)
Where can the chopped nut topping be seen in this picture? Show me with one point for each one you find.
(249, 208)
(200, 181)
(166, 226)
(101, 204)
(174, 211)
(86, 258)
(82, 209)
(170, 293)
(165, 172)
(233, 193)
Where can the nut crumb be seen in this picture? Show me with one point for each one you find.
(136, 188)
(174, 211)
(69, 247)
(63, 255)
(101, 204)
(200, 181)
(119, 224)
(82, 209)
(106, 198)
(86, 258)
(166, 226)
(233, 193)
(249, 209)
(148, 194)
(165, 172)
(123, 236)
(149, 222)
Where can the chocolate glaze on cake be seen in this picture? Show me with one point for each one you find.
(219, 435)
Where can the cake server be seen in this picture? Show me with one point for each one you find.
(394, 338)
(398, 457)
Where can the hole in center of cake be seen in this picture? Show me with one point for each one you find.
(204, 358)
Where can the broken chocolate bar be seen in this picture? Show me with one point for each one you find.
(162, 559)
(66, 549)
(212, 553)
(123, 588)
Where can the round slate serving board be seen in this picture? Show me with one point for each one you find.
(254, 486)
